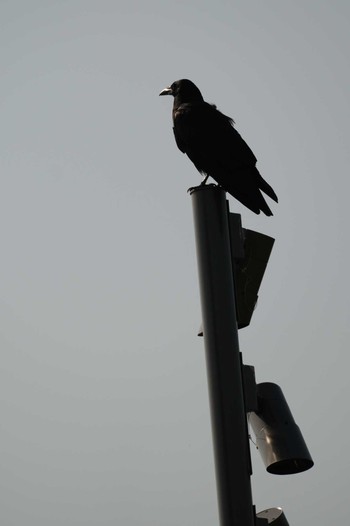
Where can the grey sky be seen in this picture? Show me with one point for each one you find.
(104, 407)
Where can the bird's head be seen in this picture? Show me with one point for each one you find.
(184, 91)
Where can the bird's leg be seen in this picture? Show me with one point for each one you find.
(205, 180)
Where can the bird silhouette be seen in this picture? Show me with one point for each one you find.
(215, 147)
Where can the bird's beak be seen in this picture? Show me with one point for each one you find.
(166, 91)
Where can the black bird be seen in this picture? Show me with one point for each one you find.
(209, 139)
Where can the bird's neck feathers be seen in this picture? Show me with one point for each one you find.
(192, 96)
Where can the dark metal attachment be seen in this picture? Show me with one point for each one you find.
(250, 255)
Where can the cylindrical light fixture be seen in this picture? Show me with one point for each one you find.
(278, 437)
(273, 516)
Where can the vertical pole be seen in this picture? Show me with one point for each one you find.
(229, 425)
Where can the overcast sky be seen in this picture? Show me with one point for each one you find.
(103, 392)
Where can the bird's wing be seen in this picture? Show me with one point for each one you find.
(179, 143)
(209, 138)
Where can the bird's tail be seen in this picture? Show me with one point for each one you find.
(266, 188)
(253, 200)
(264, 207)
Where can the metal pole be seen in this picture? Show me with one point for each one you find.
(229, 425)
